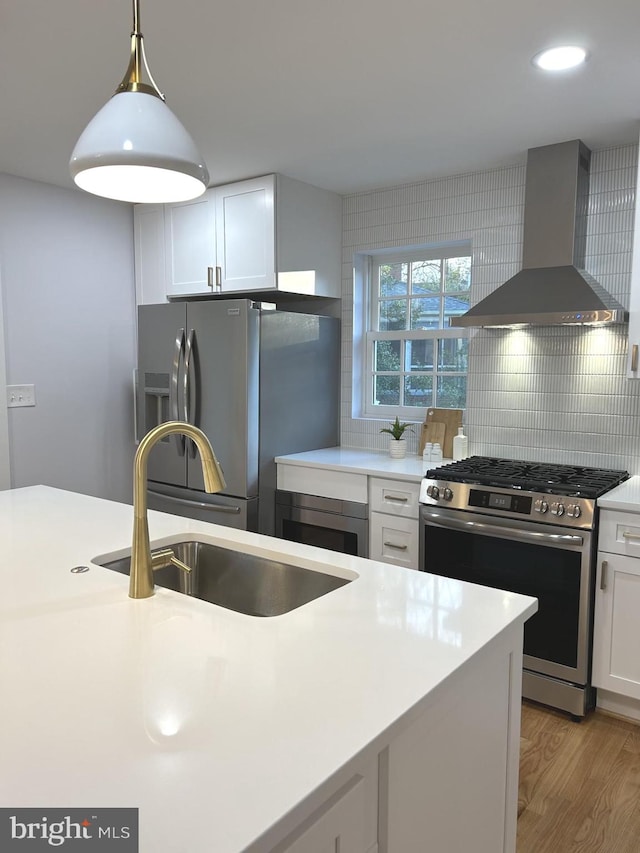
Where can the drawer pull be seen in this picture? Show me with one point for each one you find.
(397, 500)
(397, 547)
(603, 575)
(634, 357)
(627, 535)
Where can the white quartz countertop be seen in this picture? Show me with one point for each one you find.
(624, 497)
(371, 462)
(214, 724)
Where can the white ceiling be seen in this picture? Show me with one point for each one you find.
(345, 94)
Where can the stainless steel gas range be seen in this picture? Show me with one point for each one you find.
(530, 528)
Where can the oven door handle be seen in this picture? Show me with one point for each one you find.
(504, 532)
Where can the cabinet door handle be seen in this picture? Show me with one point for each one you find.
(396, 500)
(627, 535)
(397, 547)
(210, 277)
(218, 278)
(603, 574)
(634, 357)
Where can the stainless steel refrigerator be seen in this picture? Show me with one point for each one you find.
(259, 383)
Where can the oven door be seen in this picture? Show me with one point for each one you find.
(554, 564)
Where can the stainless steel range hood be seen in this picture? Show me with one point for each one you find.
(552, 288)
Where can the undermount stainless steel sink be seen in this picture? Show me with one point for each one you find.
(253, 585)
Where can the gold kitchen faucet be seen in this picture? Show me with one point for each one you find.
(143, 562)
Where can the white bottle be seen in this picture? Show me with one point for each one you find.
(426, 458)
(460, 445)
(436, 454)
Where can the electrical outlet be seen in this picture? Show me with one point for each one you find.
(21, 395)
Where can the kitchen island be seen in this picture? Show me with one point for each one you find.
(385, 714)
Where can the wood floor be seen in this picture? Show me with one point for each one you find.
(579, 784)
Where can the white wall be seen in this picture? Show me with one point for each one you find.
(66, 264)
(5, 459)
(554, 394)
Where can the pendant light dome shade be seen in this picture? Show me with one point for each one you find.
(135, 149)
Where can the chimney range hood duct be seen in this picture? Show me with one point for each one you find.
(552, 288)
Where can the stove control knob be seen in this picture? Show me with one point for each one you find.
(433, 492)
(574, 510)
(557, 509)
(447, 495)
(541, 506)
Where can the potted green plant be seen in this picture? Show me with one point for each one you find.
(397, 442)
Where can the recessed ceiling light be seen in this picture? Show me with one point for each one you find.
(560, 58)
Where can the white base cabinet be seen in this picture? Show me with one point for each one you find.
(269, 235)
(339, 826)
(393, 521)
(393, 539)
(616, 653)
(444, 778)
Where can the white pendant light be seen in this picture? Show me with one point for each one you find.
(135, 149)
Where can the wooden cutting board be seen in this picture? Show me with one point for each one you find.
(433, 432)
(452, 419)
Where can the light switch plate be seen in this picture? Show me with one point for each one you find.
(21, 395)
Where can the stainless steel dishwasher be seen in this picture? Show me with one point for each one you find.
(324, 522)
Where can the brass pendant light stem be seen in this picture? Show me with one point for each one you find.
(132, 80)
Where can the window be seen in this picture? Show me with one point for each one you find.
(413, 359)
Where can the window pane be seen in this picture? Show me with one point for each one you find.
(425, 313)
(457, 274)
(453, 354)
(413, 296)
(454, 306)
(386, 390)
(393, 314)
(426, 276)
(394, 279)
(419, 355)
(452, 392)
(418, 390)
(386, 355)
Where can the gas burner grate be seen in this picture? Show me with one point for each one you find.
(557, 479)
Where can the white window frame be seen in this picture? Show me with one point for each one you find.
(373, 261)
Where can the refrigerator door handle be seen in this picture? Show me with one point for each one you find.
(233, 510)
(187, 390)
(178, 351)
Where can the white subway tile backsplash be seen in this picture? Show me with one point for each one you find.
(548, 394)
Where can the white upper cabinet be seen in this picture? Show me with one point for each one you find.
(266, 235)
(190, 245)
(149, 243)
(633, 371)
(245, 236)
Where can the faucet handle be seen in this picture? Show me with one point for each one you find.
(176, 562)
(162, 558)
(166, 557)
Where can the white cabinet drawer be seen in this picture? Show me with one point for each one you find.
(323, 482)
(619, 533)
(394, 497)
(393, 539)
